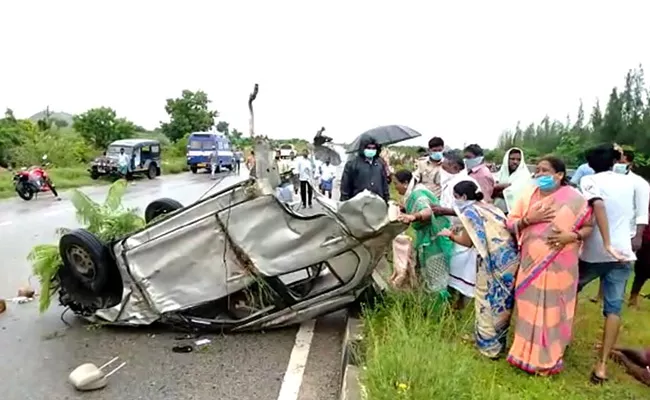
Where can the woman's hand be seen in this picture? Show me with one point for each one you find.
(540, 213)
(446, 233)
(559, 238)
(406, 218)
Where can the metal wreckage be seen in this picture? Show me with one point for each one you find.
(237, 260)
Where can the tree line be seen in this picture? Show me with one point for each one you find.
(624, 119)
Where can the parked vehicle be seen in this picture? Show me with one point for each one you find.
(286, 150)
(144, 154)
(237, 260)
(200, 146)
(28, 182)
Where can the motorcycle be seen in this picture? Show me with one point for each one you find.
(29, 182)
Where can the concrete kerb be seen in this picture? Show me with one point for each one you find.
(351, 387)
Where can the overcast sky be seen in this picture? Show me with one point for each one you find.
(463, 70)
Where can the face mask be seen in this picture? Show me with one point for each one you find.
(545, 182)
(472, 162)
(620, 168)
(460, 203)
(436, 155)
(370, 153)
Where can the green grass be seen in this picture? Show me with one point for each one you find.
(73, 177)
(411, 356)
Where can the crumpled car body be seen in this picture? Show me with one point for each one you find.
(241, 260)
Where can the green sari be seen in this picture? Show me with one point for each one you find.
(433, 252)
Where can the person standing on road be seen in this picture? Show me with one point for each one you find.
(306, 175)
(214, 161)
(366, 171)
(238, 160)
(327, 178)
(123, 161)
(476, 168)
(250, 164)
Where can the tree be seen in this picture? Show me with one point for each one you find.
(10, 136)
(188, 113)
(100, 126)
(223, 127)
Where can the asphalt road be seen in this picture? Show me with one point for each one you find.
(38, 352)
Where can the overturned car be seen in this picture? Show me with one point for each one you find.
(237, 260)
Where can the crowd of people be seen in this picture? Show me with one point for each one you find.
(522, 244)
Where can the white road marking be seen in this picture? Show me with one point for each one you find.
(5, 223)
(297, 361)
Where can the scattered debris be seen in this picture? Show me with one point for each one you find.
(21, 299)
(182, 349)
(3, 306)
(187, 336)
(202, 342)
(88, 377)
(26, 292)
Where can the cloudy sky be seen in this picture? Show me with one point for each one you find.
(463, 70)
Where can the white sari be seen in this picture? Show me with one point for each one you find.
(462, 266)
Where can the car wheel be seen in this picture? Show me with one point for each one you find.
(87, 259)
(194, 168)
(94, 175)
(25, 192)
(160, 207)
(151, 173)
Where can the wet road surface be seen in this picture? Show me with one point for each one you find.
(39, 351)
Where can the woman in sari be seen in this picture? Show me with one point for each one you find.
(549, 222)
(484, 228)
(432, 251)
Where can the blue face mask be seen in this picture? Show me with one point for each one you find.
(472, 162)
(545, 183)
(436, 155)
(370, 153)
(620, 168)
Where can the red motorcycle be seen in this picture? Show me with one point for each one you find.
(29, 182)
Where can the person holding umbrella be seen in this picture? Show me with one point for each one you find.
(366, 171)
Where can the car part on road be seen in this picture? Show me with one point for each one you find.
(87, 258)
(182, 349)
(160, 207)
(87, 377)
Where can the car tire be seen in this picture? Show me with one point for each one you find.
(87, 258)
(94, 175)
(194, 168)
(152, 171)
(160, 207)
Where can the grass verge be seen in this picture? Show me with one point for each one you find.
(74, 177)
(409, 354)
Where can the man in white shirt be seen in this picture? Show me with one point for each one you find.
(328, 172)
(306, 175)
(612, 197)
(123, 161)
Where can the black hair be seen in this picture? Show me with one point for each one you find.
(558, 166)
(474, 149)
(403, 176)
(516, 151)
(252, 151)
(468, 189)
(436, 142)
(455, 157)
(602, 158)
(629, 155)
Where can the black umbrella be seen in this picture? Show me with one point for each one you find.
(385, 135)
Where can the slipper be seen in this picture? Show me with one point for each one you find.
(597, 380)
(182, 349)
